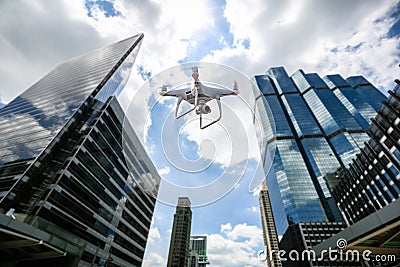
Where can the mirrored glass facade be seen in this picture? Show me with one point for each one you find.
(63, 164)
(320, 126)
(30, 121)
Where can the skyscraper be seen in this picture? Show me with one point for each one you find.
(180, 236)
(68, 196)
(269, 230)
(198, 251)
(320, 125)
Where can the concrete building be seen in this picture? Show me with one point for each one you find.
(180, 236)
(198, 251)
(270, 236)
(368, 191)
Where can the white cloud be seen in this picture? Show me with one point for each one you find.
(164, 171)
(34, 42)
(238, 246)
(154, 259)
(284, 33)
(250, 233)
(253, 209)
(280, 33)
(226, 227)
(154, 235)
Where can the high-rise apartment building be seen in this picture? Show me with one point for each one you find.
(180, 236)
(320, 125)
(271, 241)
(198, 251)
(67, 195)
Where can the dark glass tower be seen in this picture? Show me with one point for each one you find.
(320, 125)
(67, 195)
(178, 255)
(372, 180)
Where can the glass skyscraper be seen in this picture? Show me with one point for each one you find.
(67, 195)
(320, 125)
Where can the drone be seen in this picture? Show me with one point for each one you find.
(198, 96)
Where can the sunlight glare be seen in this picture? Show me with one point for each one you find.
(190, 15)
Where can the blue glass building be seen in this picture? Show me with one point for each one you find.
(320, 125)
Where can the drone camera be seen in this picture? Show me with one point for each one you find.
(204, 109)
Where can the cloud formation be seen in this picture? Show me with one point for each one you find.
(235, 246)
(345, 37)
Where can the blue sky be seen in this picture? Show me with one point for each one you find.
(346, 37)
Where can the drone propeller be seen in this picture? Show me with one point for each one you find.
(163, 89)
(235, 87)
(195, 68)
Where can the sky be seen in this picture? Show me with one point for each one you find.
(359, 37)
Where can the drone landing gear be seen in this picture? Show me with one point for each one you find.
(188, 111)
(196, 102)
(219, 117)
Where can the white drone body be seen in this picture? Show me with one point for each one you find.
(198, 96)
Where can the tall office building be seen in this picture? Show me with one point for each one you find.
(180, 236)
(320, 125)
(198, 251)
(271, 242)
(67, 195)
